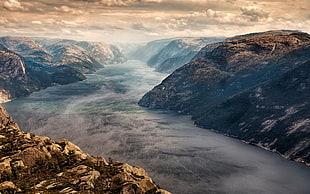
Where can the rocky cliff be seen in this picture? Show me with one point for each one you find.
(12, 74)
(207, 88)
(274, 115)
(30, 163)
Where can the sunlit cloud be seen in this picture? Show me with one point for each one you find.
(36, 22)
(12, 5)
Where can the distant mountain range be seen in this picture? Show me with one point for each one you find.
(255, 87)
(33, 64)
(167, 55)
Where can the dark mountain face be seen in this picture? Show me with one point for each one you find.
(274, 115)
(222, 70)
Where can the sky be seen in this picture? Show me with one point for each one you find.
(145, 20)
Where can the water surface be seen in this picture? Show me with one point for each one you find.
(102, 117)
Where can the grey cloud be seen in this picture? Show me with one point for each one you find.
(139, 26)
(254, 13)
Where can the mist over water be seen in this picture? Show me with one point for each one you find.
(102, 117)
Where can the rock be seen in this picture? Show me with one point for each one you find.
(38, 164)
(7, 186)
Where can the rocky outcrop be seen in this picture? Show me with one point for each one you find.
(206, 88)
(30, 163)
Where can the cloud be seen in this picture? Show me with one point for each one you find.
(36, 22)
(138, 19)
(3, 20)
(139, 26)
(67, 9)
(12, 5)
(127, 2)
(254, 13)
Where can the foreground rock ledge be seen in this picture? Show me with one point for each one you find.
(30, 163)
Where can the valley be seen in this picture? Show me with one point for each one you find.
(101, 116)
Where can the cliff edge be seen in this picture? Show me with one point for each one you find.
(30, 163)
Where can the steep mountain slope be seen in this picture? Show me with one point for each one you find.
(12, 75)
(144, 53)
(178, 52)
(30, 163)
(101, 52)
(28, 48)
(22, 75)
(222, 70)
(274, 115)
(73, 56)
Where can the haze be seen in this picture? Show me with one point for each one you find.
(144, 20)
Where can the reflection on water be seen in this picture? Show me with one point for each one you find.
(102, 117)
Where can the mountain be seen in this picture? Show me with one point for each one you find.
(274, 115)
(29, 65)
(26, 67)
(178, 52)
(101, 52)
(73, 56)
(145, 52)
(30, 163)
(12, 75)
(218, 85)
(28, 49)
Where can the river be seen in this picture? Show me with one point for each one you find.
(102, 117)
